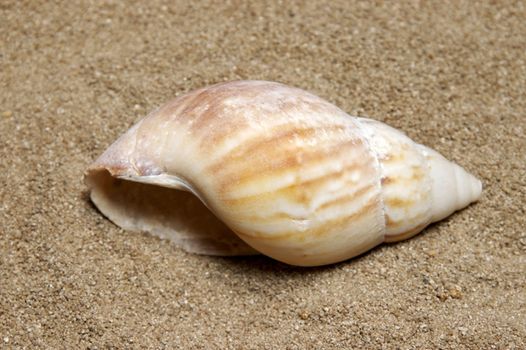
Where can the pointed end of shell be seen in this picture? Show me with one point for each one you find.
(468, 186)
(453, 187)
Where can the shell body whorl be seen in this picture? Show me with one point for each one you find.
(295, 177)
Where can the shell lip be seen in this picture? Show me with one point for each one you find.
(125, 171)
(116, 170)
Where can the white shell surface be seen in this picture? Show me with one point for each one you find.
(295, 177)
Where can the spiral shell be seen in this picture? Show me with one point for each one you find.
(293, 176)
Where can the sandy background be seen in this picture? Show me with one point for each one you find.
(75, 75)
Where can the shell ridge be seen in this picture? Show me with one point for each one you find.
(429, 181)
(366, 132)
(406, 181)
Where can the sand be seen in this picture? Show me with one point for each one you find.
(76, 75)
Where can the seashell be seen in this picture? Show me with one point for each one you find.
(253, 166)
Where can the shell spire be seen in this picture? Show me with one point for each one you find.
(419, 185)
(253, 166)
(453, 187)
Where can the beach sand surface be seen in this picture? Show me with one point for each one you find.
(74, 75)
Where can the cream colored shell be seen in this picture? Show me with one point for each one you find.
(293, 176)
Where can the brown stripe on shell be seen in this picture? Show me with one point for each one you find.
(393, 158)
(213, 136)
(309, 185)
(188, 107)
(399, 202)
(207, 121)
(214, 97)
(277, 160)
(416, 175)
(280, 136)
(420, 221)
(340, 223)
(347, 199)
(321, 229)
(312, 185)
(277, 216)
(387, 180)
(206, 96)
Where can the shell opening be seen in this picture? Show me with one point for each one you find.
(169, 213)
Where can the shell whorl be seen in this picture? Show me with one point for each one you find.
(419, 186)
(291, 174)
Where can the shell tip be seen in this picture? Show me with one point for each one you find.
(469, 188)
(453, 187)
